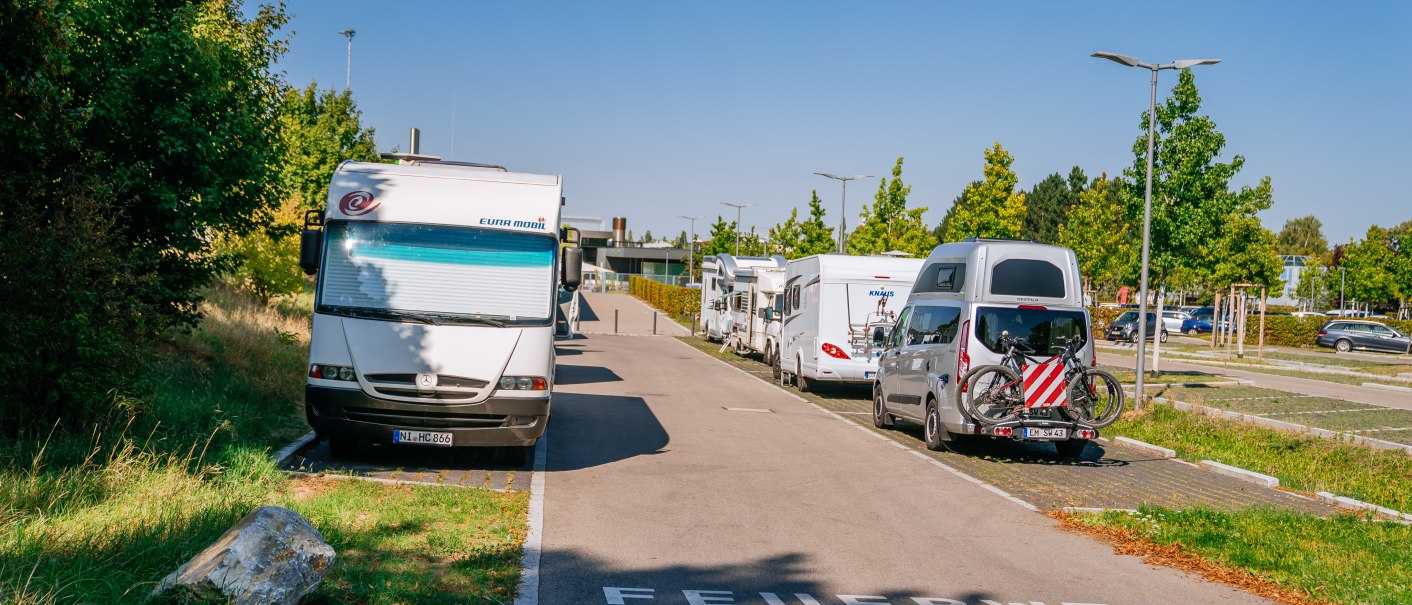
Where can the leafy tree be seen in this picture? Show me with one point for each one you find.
(1303, 236)
(1100, 235)
(647, 237)
(722, 238)
(136, 130)
(1196, 220)
(787, 237)
(889, 225)
(1046, 204)
(1376, 268)
(318, 130)
(815, 236)
(1246, 254)
(963, 200)
(680, 241)
(990, 207)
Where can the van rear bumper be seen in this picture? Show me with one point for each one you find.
(353, 414)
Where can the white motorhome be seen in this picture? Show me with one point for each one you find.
(435, 307)
(966, 298)
(755, 303)
(833, 304)
(719, 275)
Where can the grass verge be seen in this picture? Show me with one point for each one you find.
(1290, 557)
(101, 516)
(1301, 462)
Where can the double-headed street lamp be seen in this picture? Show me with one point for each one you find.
(690, 247)
(737, 223)
(843, 203)
(348, 77)
(1147, 200)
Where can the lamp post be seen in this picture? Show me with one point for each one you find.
(690, 247)
(1147, 201)
(348, 77)
(843, 200)
(737, 223)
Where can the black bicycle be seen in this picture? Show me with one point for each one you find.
(995, 393)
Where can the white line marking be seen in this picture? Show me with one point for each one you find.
(529, 560)
(757, 410)
(1324, 411)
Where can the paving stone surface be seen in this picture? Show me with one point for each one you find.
(458, 467)
(1106, 476)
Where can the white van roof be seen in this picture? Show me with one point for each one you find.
(835, 267)
(445, 194)
(978, 282)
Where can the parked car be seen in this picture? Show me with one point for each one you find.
(1198, 324)
(1125, 327)
(1303, 314)
(1345, 335)
(1172, 320)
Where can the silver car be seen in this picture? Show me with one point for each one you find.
(1345, 335)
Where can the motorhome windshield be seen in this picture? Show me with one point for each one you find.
(1040, 329)
(438, 274)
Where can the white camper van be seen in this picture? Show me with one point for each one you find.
(435, 308)
(970, 299)
(719, 275)
(833, 304)
(755, 304)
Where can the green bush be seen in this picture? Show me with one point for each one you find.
(673, 300)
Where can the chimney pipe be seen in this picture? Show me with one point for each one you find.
(620, 230)
(415, 147)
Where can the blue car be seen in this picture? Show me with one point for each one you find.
(1198, 324)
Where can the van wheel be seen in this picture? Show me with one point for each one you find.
(881, 419)
(1343, 346)
(933, 433)
(1073, 448)
(799, 379)
(775, 370)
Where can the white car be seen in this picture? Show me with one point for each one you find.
(1172, 320)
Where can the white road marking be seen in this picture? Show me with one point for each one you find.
(529, 559)
(757, 410)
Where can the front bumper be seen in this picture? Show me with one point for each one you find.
(493, 422)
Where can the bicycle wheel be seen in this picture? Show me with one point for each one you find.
(994, 394)
(1095, 398)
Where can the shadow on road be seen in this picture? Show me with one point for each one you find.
(592, 430)
(567, 375)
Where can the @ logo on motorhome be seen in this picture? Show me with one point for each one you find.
(357, 203)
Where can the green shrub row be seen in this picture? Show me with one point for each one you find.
(673, 300)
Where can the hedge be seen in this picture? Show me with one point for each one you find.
(673, 300)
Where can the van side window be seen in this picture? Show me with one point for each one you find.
(895, 339)
(933, 325)
(1027, 277)
(942, 277)
(795, 296)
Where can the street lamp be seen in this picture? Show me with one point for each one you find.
(1147, 200)
(843, 203)
(737, 223)
(348, 77)
(690, 247)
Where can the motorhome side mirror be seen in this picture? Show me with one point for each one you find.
(310, 249)
(769, 314)
(571, 272)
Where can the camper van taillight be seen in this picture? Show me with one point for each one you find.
(963, 359)
(1035, 307)
(833, 351)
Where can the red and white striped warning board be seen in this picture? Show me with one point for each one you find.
(1044, 384)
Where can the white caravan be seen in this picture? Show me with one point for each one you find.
(755, 305)
(719, 275)
(434, 313)
(833, 305)
(967, 297)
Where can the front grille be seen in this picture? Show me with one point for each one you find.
(404, 385)
(423, 418)
(435, 395)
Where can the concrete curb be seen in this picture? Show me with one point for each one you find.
(1147, 447)
(1387, 387)
(344, 477)
(1289, 427)
(1359, 505)
(1086, 509)
(1240, 473)
(287, 452)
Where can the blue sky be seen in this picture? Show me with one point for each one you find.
(652, 110)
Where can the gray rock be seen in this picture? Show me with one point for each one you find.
(273, 555)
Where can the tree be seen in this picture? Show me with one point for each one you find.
(1100, 235)
(1196, 220)
(1376, 268)
(990, 207)
(722, 238)
(787, 237)
(647, 237)
(681, 241)
(319, 129)
(136, 130)
(815, 236)
(1303, 236)
(889, 225)
(1246, 254)
(1046, 205)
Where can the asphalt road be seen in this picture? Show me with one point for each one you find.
(671, 477)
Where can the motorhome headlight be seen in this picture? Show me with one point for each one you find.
(331, 372)
(524, 383)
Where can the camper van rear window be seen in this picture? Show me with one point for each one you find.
(1027, 277)
(942, 277)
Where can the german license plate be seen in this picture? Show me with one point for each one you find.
(1032, 433)
(421, 438)
(867, 374)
